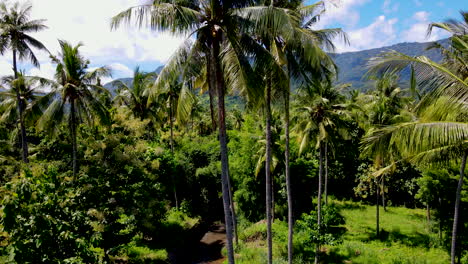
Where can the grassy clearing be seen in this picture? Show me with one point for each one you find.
(405, 238)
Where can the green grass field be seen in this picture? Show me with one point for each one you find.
(405, 238)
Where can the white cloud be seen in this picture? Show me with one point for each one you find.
(380, 33)
(418, 31)
(421, 16)
(47, 70)
(120, 69)
(388, 7)
(341, 11)
(88, 22)
(5, 67)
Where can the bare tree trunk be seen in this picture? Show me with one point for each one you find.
(171, 124)
(211, 93)
(216, 72)
(377, 214)
(383, 194)
(319, 200)
(73, 135)
(428, 213)
(272, 184)
(440, 220)
(288, 180)
(20, 107)
(326, 173)
(233, 211)
(267, 170)
(457, 207)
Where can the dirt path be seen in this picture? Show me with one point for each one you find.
(211, 245)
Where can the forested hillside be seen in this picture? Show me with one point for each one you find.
(353, 65)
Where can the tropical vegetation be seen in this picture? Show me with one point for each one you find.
(244, 148)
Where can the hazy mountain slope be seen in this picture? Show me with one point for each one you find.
(352, 65)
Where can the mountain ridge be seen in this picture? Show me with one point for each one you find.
(353, 65)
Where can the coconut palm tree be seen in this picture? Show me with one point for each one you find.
(321, 114)
(134, 95)
(72, 97)
(384, 106)
(437, 137)
(219, 45)
(15, 26)
(25, 86)
(297, 50)
(28, 89)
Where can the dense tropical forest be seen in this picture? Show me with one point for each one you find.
(243, 148)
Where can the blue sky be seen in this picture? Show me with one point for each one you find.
(368, 23)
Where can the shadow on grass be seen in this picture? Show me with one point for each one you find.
(333, 257)
(350, 206)
(395, 236)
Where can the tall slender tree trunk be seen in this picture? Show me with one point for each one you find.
(288, 180)
(319, 200)
(440, 221)
(211, 93)
(20, 108)
(326, 173)
(73, 135)
(267, 169)
(383, 194)
(272, 184)
(377, 213)
(216, 72)
(171, 124)
(457, 208)
(233, 212)
(428, 213)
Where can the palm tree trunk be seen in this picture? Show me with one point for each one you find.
(20, 108)
(457, 207)
(383, 194)
(428, 213)
(216, 72)
(377, 213)
(326, 173)
(288, 180)
(267, 170)
(233, 211)
(319, 200)
(171, 124)
(211, 93)
(73, 135)
(440, 220)
(272, 184)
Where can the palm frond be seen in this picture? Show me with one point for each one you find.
(171, 17)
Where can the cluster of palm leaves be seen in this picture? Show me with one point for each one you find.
(438, 132)
(267, 52)
(253, 48)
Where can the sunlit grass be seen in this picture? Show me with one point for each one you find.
(405, 238)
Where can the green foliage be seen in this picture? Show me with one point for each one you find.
(46, 222)
(406, 239)
(309, 234)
